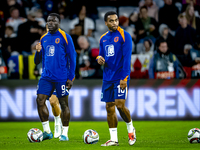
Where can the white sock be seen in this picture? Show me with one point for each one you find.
(65, 131)
(46, 126)
(113, 134)
(130, 126)
(57, 120)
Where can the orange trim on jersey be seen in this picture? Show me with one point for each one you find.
(125, 78)
(121, 31)
(43, 36)
(63, 34)
(97, 57)
(73, 79)
(103, 35)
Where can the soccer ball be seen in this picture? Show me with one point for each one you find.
(90, 136)
(35, 135)
(194, 135)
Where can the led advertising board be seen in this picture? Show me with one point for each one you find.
(147, 100)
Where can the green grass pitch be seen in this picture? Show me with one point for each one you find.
(151, 135)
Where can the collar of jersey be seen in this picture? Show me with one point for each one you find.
(53, 33)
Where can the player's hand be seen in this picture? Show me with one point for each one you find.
(38, 47)
(69, 84)
(101, 60)
(123, 84)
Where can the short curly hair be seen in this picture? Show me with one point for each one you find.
(108, 14)
(56, 15)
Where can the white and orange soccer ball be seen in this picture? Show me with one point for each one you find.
(90, 136)
(35, 135)
(194, 135)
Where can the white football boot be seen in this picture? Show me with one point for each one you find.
(132, 137)
(110, 143)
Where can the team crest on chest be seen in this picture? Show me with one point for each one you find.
(57, 40)
(116, 39)
(110, 51)
(50, 50)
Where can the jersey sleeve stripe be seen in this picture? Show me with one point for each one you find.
(103, 35)
(43, 36)
(126, 78)
(121, 31)
(63, 34)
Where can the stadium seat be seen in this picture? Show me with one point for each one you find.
(127, 10)
(103, 9)
(100, 26)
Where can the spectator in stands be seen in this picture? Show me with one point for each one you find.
(194, 59)
(152, 8)
(164, 64)
(75, 33)
(15, 20)
(87, 23)
(192, 20)
(168, 15)
(13, 3)
(187, 49)
(165, 35)
(28, 33)
(39, 18)
(147, 48)
(133, 23)
(194, 3)
(149, 24)
(9, 43)
(124, 24)
(47, 6)
(185, 34)
(184, 58)
(89, 67)
(64, 22)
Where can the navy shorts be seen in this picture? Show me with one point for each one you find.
(47, 88)
(112, 91)
(55, 93)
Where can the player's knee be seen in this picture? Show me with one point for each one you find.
(40, 100)
(120, 106)
(53, 101)
(110, 108)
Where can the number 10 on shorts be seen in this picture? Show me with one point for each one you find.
(121, 94)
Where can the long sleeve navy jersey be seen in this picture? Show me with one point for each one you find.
(58, 56)
(116, 49)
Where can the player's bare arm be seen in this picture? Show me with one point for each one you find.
(38, 47)
(123, 84)
(101, 60)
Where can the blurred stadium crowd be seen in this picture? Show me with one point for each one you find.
(165, 35)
